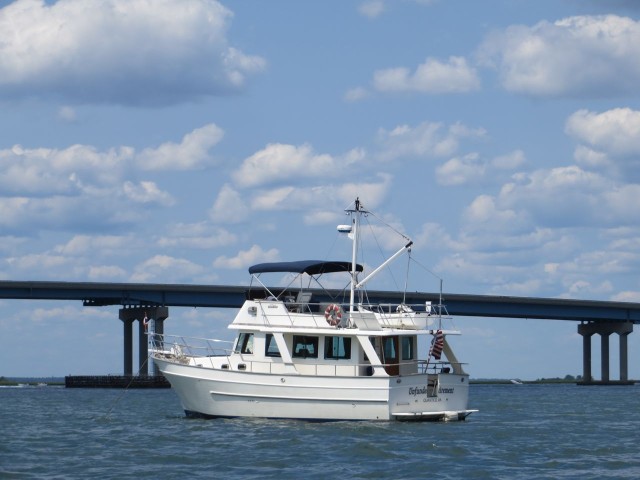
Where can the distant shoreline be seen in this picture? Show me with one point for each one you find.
(502, 381)
(31, 381)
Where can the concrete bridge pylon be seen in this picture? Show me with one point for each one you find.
(128, 315)
(605, 329)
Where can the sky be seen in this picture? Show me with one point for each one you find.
(181, 141)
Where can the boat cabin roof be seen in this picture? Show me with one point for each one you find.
(310, 267)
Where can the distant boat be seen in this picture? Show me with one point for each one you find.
(293, 358)
(516, 382)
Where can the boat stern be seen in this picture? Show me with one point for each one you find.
(442, 397)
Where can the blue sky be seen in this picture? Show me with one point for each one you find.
(180, 141)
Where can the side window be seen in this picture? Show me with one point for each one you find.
(271, 347)
(389, 348)
(407, 348)
(244, 343)
(305, 347)
(337, 348)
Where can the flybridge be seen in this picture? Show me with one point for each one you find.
(596, 317)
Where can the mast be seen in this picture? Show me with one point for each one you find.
(354, 234)
(354, 251)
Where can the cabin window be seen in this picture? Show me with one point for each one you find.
(390, 347)
(244, 343)
(305, 347)
(407, 348)
(271, 347)
(337, 348)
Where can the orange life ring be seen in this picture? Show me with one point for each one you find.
(333, 315)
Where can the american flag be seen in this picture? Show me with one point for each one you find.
(437, 344)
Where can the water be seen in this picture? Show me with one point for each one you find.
(521, 432)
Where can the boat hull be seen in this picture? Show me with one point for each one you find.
(208, 392)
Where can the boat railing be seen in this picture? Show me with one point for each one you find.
(182, 348)
(438, 367)
(428, 308)
(274, 313)
(209, 355)
(294, 313)
(404, 316)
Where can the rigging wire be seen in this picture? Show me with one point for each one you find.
(406, 278)
(427, 269)
(389, 226)
(126, 389)
(382, 254)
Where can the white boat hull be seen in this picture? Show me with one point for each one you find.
(222, 393)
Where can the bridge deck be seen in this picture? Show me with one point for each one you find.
(225, 296)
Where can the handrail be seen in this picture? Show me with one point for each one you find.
(182, 349)
(272, 313)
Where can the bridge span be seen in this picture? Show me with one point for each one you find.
(137, 299)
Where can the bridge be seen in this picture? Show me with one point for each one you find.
(139, 300)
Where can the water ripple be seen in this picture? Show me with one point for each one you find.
(521, 432)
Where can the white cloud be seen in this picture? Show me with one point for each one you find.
(83, 187)
(432, 76)
(280, 162)
(620, 205)
(57, 314)
(592, 159)
(483, 210)
(67, 114)
(80, 245)
(562, 197)
(428, 139)
(101, 273)
(192, 153)
(322, 217)
(283, 198)
(157, 53)
(609, 141)
(230, 206)
(494, 272)
(433, 236)
(35, 261)
(199, 236)
(627, 296)
(510, 161)
(246, 258)
(616, 131)
(585, 289)
(372, 8)
(166, 269)
(523, 288)
(587, 273)
(461, 170)
(542, 60)
(98, 212)
(329, 197)
(499, 252)
(43, 171)
(147, 192)
(356, 94)
(10, 243)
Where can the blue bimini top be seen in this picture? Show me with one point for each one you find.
(310, 267)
